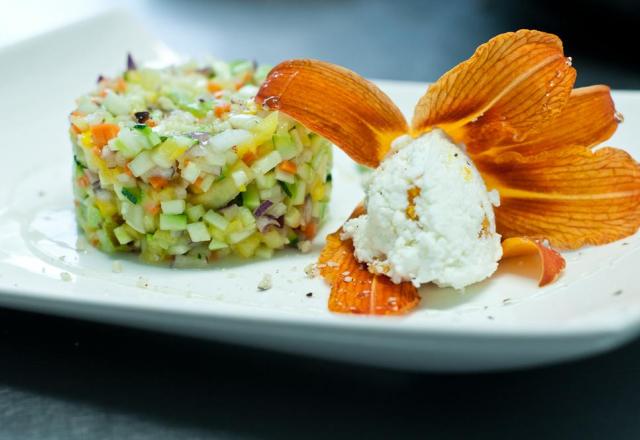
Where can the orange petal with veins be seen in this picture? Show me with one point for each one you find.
(356, 290)
(336, 103)
(588, 119)
(511, 85)
(570, 196)
(552, 263)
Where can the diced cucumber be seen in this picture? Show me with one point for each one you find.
(220, 193)
(236, 237)
(292, 217)
(246, 217)
(215, 219)
(298, 193)
(207, 182)
(240, 178)
(265, 181)
(250, 197)
(94, 218)
(152, 138)
(267, 163)
(194, 213)
(134, 216)
(173, 206)
(191, 172)
(285, 145)
(122, 235)
(198, 232)
(173, 222)
(141, 164)
(284, 176)
(214, 245)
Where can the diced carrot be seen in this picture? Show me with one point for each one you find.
(249, 157)
(239, 85)
(77, 113)
(213, 86)
(152, 208)
(219, 94)
(102, 93)
(151, 123)
(103, 133)
(120, 85)
(75, 129)
(83, 181)
(97, 151)
(158, 182)
(222, 109)
(127, 170)
(309, 230)
(288, 167)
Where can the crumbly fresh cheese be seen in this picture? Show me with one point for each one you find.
(429, 216)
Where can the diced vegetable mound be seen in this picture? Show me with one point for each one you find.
(180, 165)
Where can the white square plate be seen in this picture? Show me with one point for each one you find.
(504, 322)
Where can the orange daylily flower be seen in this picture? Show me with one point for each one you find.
(529, 133)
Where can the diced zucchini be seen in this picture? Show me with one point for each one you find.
(191, 172)
(214, 245)
(173, 206)
(198, 232)
(122, 235)
(285, 145)
(141, 164)
(195, 212)
(284, 176)
(292, 217)
(173, 222)
(215, 219)
(251, 198)
(267, 163)
(220, 193)
(298, 193)
(247, 247)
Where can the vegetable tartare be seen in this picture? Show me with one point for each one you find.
(181, 165)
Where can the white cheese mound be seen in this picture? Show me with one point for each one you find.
(446, 235)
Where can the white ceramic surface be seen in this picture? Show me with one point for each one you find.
(505, 322)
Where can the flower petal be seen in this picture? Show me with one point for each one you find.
(571, 196)
(356, 290)
(551, 261)
(510, 86)
(336, 103)
(588, 119)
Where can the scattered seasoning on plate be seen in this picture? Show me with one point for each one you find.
(625, 244)
(65, 276)
(617, 292)
(506, 301)
(311, 270)
(142, 282)
(116, 266)
(265, 283)
(490, 318)
(309, 294)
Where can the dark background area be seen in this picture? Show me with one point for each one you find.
(68, 379)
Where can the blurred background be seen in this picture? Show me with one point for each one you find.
(398, 39)
(68, 379)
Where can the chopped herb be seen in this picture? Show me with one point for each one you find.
(140, 126)
(285, 188)
(237, 200)
(309, 295)
(294, 241)
(80, 164)
(141, 117)
(329, 177)
(132, 194)
(163, 138)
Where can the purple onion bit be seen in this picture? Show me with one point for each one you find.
(262, 223)
(260, 210)
(131, 64)
(100, 78)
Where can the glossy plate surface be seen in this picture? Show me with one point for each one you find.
(504, 322)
